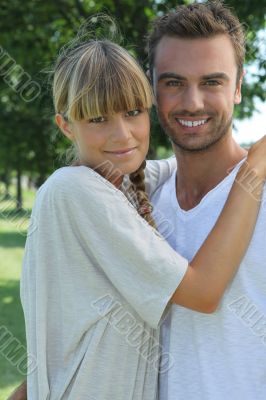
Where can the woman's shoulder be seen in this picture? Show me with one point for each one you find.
(74, 185)
(77, 188)
(74, 177)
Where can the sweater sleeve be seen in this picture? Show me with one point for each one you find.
(135, 258)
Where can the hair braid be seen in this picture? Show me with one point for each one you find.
(144, 207)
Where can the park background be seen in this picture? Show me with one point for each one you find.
(32, 33)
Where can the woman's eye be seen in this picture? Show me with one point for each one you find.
(97, 120)
(133, 113)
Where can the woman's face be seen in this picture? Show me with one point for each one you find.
(112, 145)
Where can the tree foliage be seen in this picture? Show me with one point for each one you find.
(31, 34)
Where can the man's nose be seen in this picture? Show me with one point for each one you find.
(192, 99)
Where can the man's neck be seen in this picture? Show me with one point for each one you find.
(200, 172)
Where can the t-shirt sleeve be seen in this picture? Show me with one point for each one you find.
(157, 172)
(136, 259)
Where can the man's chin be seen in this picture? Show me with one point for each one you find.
(192, 146)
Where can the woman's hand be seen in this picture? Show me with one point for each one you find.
(256, 158)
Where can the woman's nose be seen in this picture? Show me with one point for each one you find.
(120, 129)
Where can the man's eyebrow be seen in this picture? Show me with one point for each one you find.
(216, 75)
(167, 75)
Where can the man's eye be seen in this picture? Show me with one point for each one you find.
(174, 83)
(212, 83)
(133, 113)
(97, 120)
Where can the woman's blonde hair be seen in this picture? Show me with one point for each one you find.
(99, 78)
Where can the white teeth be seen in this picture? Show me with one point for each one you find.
(192, 123)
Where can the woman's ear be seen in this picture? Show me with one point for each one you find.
(64, 126)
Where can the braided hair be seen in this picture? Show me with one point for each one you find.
(136, 193)
(144, 206)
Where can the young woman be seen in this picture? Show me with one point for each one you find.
(97, 278)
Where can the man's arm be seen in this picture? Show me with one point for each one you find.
(20, 393)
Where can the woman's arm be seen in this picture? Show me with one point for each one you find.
(218, 259)
(20, 393)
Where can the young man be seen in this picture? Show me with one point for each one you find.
(196, 65)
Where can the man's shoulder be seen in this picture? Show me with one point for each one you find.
(162, 165)
(158, 172)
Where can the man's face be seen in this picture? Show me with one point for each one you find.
(195, 82)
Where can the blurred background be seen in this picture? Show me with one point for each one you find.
(31, 34)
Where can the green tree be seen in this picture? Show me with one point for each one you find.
(31, 33)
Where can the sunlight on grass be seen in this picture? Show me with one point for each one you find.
(13, 227)
(4, 393)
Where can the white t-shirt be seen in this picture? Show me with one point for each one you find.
(219, 356)
(96, 281)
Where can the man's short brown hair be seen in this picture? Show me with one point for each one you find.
(199, 20)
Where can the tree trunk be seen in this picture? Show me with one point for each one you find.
(19, 190)
(6, 180)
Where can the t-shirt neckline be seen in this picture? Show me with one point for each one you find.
(223, 183)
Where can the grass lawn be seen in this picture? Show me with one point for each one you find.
(12, 239)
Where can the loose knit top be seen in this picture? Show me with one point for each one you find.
(96, 282)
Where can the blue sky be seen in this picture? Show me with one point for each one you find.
(252, 129)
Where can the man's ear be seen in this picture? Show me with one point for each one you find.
(238, 95)
(149, 76)
(64, 126)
